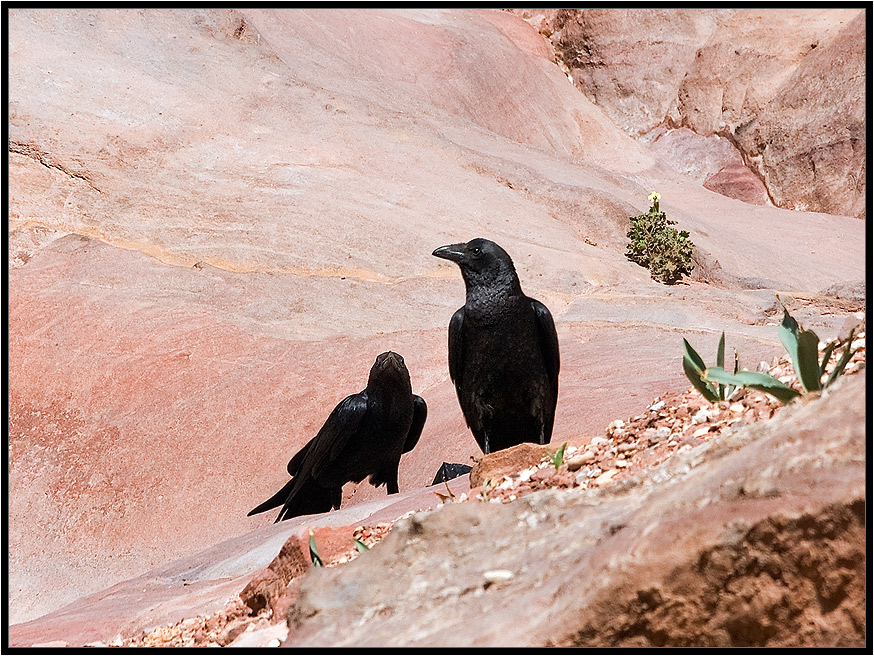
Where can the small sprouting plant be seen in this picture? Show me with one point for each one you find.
(360, 546)
(803, 348)
(558, 457)
(693, 367)
(449, 494)
(716, 384)
(654, 244)
(314, 553)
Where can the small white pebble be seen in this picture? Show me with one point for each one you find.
(498, 575)
(525, 474)
(274, 643)
(736, 408)
(701, 432)
(606, 477)
(657, 406)
(700, 416)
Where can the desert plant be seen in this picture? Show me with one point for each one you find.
(654, 244)
(803, 348)
(693, 367)
(360, 546)
(314, 553)
(558, 457)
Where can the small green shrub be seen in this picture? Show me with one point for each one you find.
(654, 244)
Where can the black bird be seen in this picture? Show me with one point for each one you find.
(503, 351)
(365, 435)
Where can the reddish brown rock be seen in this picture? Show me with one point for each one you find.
(507, 462)
(753, 539)
(809, 143)
(269, 588)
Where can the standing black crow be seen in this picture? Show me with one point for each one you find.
(364, 436)
(503, 351)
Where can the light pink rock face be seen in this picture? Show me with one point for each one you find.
(308, 162)
(809, 143)
(786, 84)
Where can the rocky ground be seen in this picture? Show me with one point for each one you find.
(674, 423)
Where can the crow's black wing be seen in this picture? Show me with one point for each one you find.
(548, 342)
(420, 412)
(333, 437)
(326, 446)
(456, 348)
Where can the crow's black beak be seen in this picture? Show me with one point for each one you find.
(453, 252)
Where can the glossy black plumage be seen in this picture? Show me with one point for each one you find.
(503, 351)
(364, 435)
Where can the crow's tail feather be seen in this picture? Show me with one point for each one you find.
(276, 500)
(310, 498)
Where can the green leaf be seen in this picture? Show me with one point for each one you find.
(803, 348)
(788, 332)
(826, 356)
(693, 367)
(807, 367)
(314, 553)
(720, 362)
(754, 380)
(558, 457)
(845, 358)
(360, 546)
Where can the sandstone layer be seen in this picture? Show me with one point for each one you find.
(784, 86)
(219, 218)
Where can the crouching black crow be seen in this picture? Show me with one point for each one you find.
(503, 351)
(365, 435)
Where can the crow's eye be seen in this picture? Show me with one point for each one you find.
(475, 251)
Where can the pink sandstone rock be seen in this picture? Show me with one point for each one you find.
(219, 218)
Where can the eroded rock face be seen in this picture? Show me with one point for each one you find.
(219, 218)
(786, 85)
(809, 142)
(754, 539)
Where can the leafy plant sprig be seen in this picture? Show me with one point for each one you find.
(716, 384)
(558, 457)
(694, 368)
(314, 552)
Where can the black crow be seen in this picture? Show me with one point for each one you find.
(503, 351)
(365, 435)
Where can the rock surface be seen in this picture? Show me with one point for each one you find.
(753, 539)
(786, 86)
(218, 218)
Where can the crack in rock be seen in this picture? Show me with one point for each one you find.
(34, 153)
